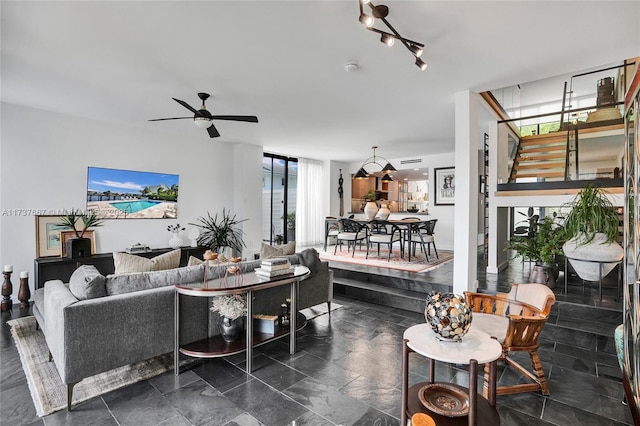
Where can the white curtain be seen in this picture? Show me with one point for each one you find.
(309, 216)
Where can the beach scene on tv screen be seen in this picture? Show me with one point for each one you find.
(128, 194)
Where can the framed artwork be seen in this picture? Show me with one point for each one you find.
(445, 186)
(67, 235)
(48, 243)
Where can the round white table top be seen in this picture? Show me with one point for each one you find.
(474, 345)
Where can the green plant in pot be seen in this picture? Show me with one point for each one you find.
(218, 233)
(79, 221)
(291, 226)
(592, 233)
(543, 244)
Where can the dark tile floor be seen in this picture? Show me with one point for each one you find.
(347, 372)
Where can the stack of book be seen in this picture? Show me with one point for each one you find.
(274, 267)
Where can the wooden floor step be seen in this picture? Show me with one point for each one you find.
(542, 157)
(538, 165)
(542, 175)
(551, 148)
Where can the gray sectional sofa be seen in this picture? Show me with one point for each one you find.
(94, 323)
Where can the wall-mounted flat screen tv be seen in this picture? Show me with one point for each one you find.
(128, 194)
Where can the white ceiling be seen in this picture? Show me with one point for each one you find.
(283, 61)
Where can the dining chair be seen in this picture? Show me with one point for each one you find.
(331, 229)
(352, 232)
(423, 234)
(384, 232)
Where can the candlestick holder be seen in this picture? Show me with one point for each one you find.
(7, 289)
(24, 293)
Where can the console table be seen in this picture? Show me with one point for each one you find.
(61, 268)
(249, 282)
(475, 347)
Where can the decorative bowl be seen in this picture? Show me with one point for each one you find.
(448, 315)
(412, 210)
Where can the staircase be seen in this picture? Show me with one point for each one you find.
(541, 156)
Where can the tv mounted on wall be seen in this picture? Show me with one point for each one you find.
(127, 194)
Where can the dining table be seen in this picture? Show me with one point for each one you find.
(406, 226)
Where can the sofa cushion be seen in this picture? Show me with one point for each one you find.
(126, 263)
(267, 251)
(127, 283)
(86, 282)
(194, 261)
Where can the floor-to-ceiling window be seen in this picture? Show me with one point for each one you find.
(279, 184)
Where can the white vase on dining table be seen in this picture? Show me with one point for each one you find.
(370, 210)
(384, 212)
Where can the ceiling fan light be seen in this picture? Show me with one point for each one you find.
(202, 122)
(421, 64)
(386, 178)
(387, 39)
(366, 20)
(362, 174)
(416, 50)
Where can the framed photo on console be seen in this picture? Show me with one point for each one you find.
(48, 242)
(445, 186)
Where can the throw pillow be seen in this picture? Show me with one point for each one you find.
(267, 251)
(194, 261)
(126, 263)
(86, 282)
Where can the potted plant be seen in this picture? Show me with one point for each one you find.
(216, 234)
(370, 208)
(291, 226)
(543, 245)
(232, 308)
(79, 246)
(592, 228)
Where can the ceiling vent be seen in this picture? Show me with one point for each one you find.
(415, 160)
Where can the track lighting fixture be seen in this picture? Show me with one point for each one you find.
(381, 12)
(386, 169)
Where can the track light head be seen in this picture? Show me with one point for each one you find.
(416, 50)
(387, 39)
(380, 11)
(366, 20)
(421, 64)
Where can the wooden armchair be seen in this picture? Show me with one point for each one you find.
(517, 325)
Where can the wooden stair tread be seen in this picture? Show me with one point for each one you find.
(542, 174)
(539, 165)
(543, 149)
(538, 157)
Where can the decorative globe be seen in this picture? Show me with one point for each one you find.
(448, 314)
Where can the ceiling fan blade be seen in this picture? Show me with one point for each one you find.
(187, 106)
(174, 118)
(249, 118)
(213, 132)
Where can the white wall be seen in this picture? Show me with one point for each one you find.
(44, 159)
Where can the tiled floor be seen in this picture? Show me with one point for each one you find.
(347, 372)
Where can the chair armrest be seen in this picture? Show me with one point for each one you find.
(57, 298)
(487, 303)
(523, 331)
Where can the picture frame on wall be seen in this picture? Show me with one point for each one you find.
(67, 235)
(445, 186)
(48, 240)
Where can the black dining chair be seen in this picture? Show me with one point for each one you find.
(352, 232)
(384, 232)
(423, 234)
(331, 229)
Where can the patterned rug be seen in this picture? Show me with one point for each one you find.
(418, 263)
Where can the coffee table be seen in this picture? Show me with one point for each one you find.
(474, 348)
(248, 282)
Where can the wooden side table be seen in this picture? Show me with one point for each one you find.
(476, 347)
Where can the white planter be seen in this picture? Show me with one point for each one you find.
(370, 210)
(596, 252)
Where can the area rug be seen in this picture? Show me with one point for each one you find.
(418, 263)
(48, 392)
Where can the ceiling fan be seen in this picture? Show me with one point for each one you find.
(203, 118)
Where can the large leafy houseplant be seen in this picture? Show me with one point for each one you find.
(543, 242)
(592, 228)
(592, 213)
(79, 221)
(218, 233)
